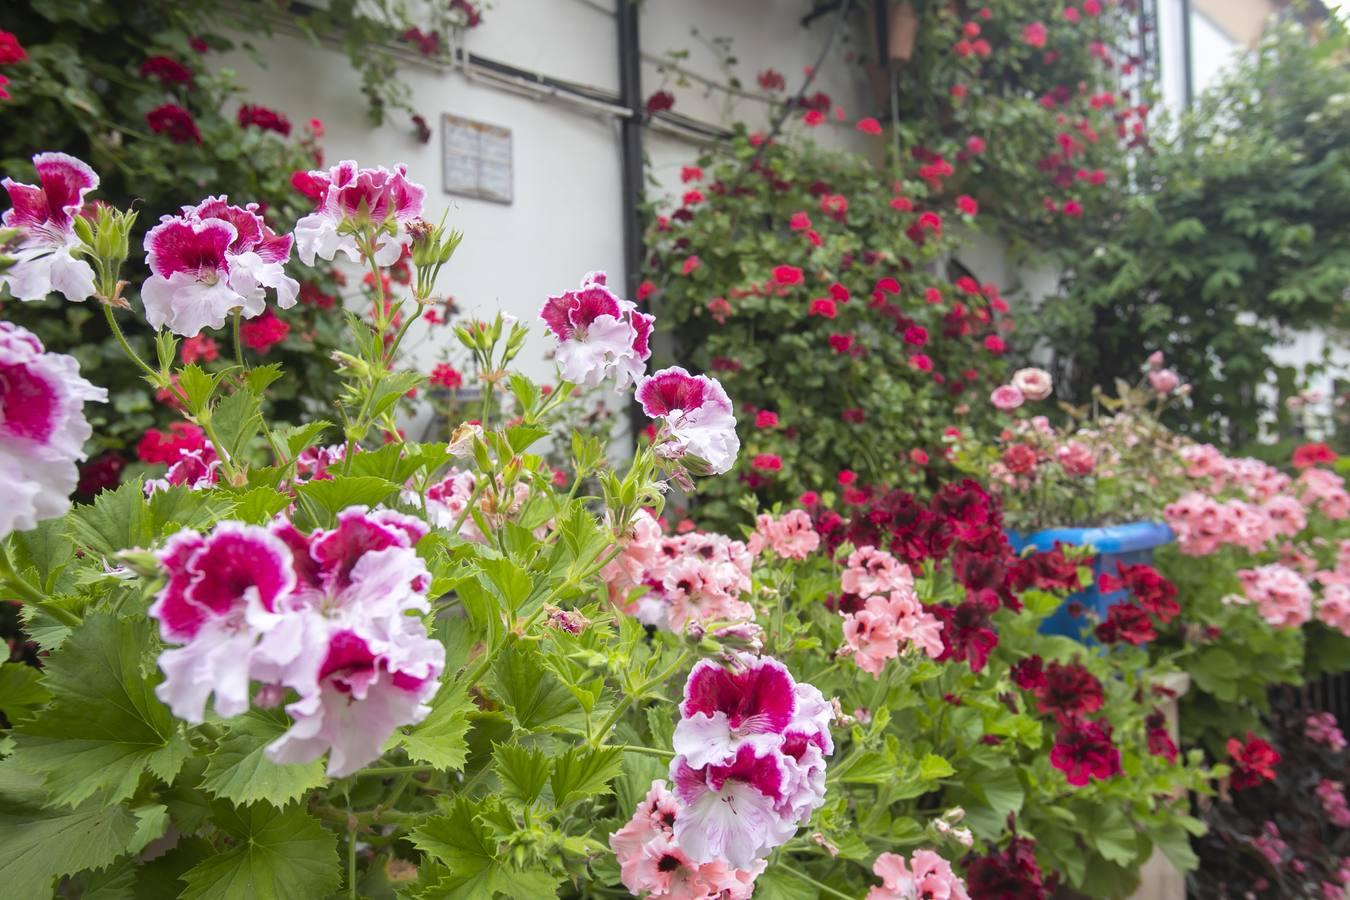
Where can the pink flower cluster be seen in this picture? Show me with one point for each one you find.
(790, 536)
(750, 765)
(599, 334)
(1332, 795)
(347, 196)
(652, 864)
(1321, 728)
(210, 261)
(927, 876)
(891, 617)
(1281, 595)
(1325, 491)
(321, 621)
(42, 429)
(695, 578)
(1204, 525)
(1251, 478)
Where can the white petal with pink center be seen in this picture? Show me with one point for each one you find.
(44, 213)
(697, 413)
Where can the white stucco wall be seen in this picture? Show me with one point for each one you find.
(566, 215)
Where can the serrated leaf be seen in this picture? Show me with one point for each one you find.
(260, 377)
(105, 728)
(933, 767)
(456, 839)
(301, 438)
(259, 505)
(179, 507)
(1113, 834)
(197, 386)
(509, 581)
(239, 770)
(43, 551)
(865, 768)
(279, 855)
(439, 739)
(237, 420)
(522, 771)
(535, 697)
(21, 690)
(336, 494)
(584, 773)
(38, 846)
(117, 520)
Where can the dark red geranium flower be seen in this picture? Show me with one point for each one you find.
(967, 634)
(1029, 673)
(1012, 874)
(1154, 592)
(1070, 692)
(660, 102)
(156, 446)
(166, 70)
(472, 17)
(1159, 739)
(1047, 571)
(175, 123)
(264, 118)
(1253, 762)
(1083, 751)
(101, 473)
(771, 80)
(1313, 455)
(11, 51)
(1126, 622)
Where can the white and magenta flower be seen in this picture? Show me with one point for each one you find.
(45, 257)
(698, 416)
(349, 197)
(750, 765)
(42, 429)
(225, 592)
(724, 710)
(599, 334)
(210, 261)
(327, 615)
(731, 811)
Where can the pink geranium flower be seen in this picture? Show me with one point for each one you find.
(931, 878)
(724, 710)
(348, 196)
(42, 429)
(46, 257)
(599, 335)
(698, 417)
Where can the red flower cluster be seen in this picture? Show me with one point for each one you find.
(166, 70)
(174, 122)
(1132, 623)
(1083, 751)
(1011, 873)
(1126, 622)
(1253, 762)
(156, 446)
(264, 118)
(1069, 692)
(264, 332)
(1309, 455)
(1047, 571)
(447, 376)
(660, 102)
(1159, 739)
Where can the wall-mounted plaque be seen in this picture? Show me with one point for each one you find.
(477, 159)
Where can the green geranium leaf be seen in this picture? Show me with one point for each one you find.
(582, 773)
(336, 494)
(522, 771)
(106, 728)
(117, 520)
(535, 697)
(277, 855)
(440, 739)
(239, 770)
(37, 846)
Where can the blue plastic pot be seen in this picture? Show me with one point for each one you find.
(1130, 544)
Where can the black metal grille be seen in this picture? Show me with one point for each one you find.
(1329, 693)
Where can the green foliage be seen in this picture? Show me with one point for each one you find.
(276, 854)
(1235, 235)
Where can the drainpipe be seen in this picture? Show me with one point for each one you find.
(630, 163)
(1188, 81)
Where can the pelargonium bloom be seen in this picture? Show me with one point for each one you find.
(697, 414)
(1254, 762)
(210, 261)
(750, 768)
(927, 875)
(790, 536)
(598, 334)
(346, 196)
(42, 429)
(45, 257)
(1083, 751)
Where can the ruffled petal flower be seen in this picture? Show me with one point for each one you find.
(697, 413)
(42, 429)
(349, 195)
(599, 335)
(44, 214)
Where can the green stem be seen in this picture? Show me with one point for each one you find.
(351, 859)
(398, 338)
(126, 347)
(30, 594)
(823, 888)
(381, 771)
(238, 343)
(646, 751)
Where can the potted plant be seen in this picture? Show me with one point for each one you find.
(1098, 480)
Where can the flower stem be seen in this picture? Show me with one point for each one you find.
(823, 888)
(126, 347)
(29, 594)
(238, 344)
(381, 771)
(647, 751)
